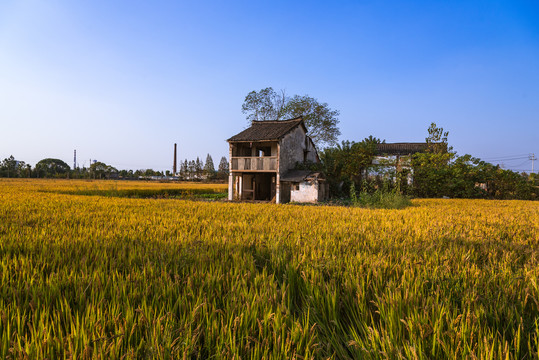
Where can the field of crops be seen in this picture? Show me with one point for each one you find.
(87, 272)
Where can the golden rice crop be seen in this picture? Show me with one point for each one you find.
(112, 277)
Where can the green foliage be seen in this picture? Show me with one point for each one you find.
(8, 167)
(209, 168)
(468, 177)
(437, 140)
(52, 168)
(439, 172)
(380, 199)
(347, 163)
(222, 170)
(265, 104)
(12, 168)
(383, 197)
(321, 121)
(432, 174)
(100, 170)
(353, 194)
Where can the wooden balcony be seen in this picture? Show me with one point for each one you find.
(252, 164)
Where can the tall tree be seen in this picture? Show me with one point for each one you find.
(103, 170)
(7, 167)
(432, 173)
(437, 140)
(184, 168)
(199, 167)
(209, 168)
(222, 170)
(191, 168)
(265, 104)
(321, 121)
(51, 168)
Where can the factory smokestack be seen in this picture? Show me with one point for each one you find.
(174, 169)
(74, 159)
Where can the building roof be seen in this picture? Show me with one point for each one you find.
(301, 175)
(400, 148)
(268, 130)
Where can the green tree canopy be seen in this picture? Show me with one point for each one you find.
(348, 162)
(321, 121)
(222, 170)
(209, 168)
(100, 170)
(51, 168)
(10, 167)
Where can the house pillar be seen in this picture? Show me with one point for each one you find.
(231, 177)
(277, 188)
(240, 192)
(278, 176)
(230, 186)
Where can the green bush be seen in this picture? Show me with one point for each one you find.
(381, 198)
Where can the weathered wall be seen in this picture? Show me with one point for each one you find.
(311, 155)
(293, 146)
(308, 192)
(285, 193)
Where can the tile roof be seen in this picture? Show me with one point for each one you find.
(400, 148)
(300, 175)
(267, 130)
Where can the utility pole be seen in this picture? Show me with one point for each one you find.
(174, 168)
(532, 157)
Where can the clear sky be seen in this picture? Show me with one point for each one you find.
(122, 81)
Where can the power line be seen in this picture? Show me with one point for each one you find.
(503, 157)
(520, 164)
(507, 159)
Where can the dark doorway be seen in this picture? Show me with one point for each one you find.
(265, 186)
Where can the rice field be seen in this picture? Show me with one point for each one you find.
(88, 273)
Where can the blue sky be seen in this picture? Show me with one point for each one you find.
(122, 81)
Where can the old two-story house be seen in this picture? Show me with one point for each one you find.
(263, 161)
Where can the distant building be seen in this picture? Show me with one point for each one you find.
(263, 159)
(397, 156)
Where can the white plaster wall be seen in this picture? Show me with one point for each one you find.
(308, 192)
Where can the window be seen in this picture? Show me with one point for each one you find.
(263, 151)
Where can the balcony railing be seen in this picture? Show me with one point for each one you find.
(266, 163)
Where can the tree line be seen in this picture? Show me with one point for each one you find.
(56, 168)
(197, 170)
(435, 172)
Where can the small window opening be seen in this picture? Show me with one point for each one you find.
(265, 151)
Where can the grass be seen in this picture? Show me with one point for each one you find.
(126, 189)
(382, 200)
(119, 277)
